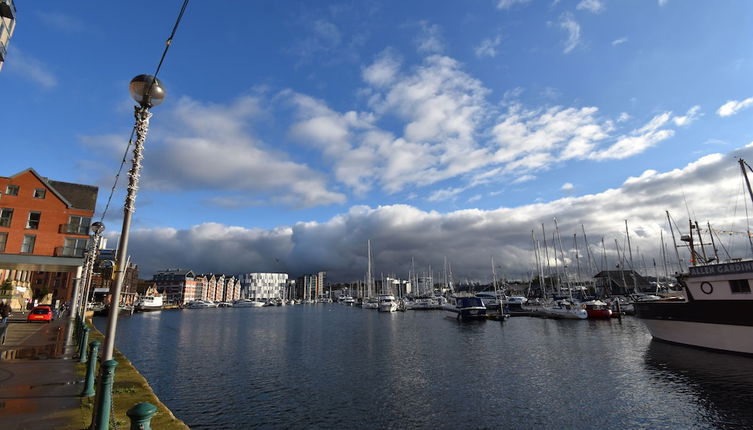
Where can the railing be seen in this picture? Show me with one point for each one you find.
(74, 229)
(68, 251)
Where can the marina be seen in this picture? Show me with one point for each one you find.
(335, 366)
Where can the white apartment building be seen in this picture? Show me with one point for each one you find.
(263, 285)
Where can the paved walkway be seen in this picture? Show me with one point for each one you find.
(37, 375)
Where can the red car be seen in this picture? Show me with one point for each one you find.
(40, 313)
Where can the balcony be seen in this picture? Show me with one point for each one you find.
(74, 228)
(67, 251)
(7, 9)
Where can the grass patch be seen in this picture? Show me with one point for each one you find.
(128, 389)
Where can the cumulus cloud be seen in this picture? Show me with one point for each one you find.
(594, 6)
(568, 23)
(488, 47)
(733, 106)
(467, 237)
(211, 146)
(567, 186)
(440, 106)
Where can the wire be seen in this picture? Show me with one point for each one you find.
(168, 43)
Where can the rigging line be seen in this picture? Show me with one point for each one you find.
(168, 42)
(117, 177)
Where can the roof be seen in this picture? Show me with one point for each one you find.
(75, 196)
(80, 196)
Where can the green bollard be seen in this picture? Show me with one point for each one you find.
(82, 345)
(141, 415)
(90, 370)
(107, 372)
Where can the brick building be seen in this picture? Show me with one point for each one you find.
(44, 228)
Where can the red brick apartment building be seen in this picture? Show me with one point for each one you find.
(44, 230)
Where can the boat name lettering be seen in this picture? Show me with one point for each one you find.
(721, 269)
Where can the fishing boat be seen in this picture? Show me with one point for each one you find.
(717, 310)
(716, 313)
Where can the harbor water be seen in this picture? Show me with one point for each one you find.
(333, 366)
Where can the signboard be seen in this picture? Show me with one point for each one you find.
(722, 269)
(101, 290)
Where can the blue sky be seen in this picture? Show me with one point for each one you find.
(293, 129)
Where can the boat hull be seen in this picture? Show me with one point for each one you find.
(724, 325)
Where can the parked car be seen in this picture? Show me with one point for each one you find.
(40, 313)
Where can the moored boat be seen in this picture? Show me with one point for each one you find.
(387, 303)
(465, 308)
(596, 309)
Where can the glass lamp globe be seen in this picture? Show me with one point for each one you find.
(143, 83)
(97, 227)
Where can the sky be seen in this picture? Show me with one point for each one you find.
(293, 131)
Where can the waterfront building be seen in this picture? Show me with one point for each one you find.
(7, 25)
(263, 285)
(44, 227)
(178, 286)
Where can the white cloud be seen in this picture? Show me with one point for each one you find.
(210, 146)
(663, 2)
(429, 40)
(594, 6)
(383, 71)
(733, 106)
(638, 140)
(619, 41)
(445, 194)
(507, 4)
(399, 232)
(567, 186)
(23, 65)
(568, 23)
(488, 47)
(689, 117)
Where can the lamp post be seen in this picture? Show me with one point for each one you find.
(148, 92)
(91, 257)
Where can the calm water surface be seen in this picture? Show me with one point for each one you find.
(332, 366)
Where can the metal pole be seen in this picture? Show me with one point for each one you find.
(142, 116)
(76, 293)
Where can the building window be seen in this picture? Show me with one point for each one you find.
(78, 224)
(6, 215)
(33, 221)
(3, 241)
(39, 193)
(739, 286)
(27, 247)
(74, 247)
(11, 190)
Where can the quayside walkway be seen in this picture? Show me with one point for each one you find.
(41, 381)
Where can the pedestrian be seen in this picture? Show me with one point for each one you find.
(4, 311)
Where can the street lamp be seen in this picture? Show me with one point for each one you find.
(147, 91)
(91, 257)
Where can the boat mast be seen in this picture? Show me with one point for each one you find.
(546, 252)
(589, 257)
(607, 290)
(630, 251)
(713, 243)
(664, 254)
(674, 241)
(494, 282)
(564, 263)
(369, 278)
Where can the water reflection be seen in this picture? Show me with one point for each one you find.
(721, 385)
(330, 366)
